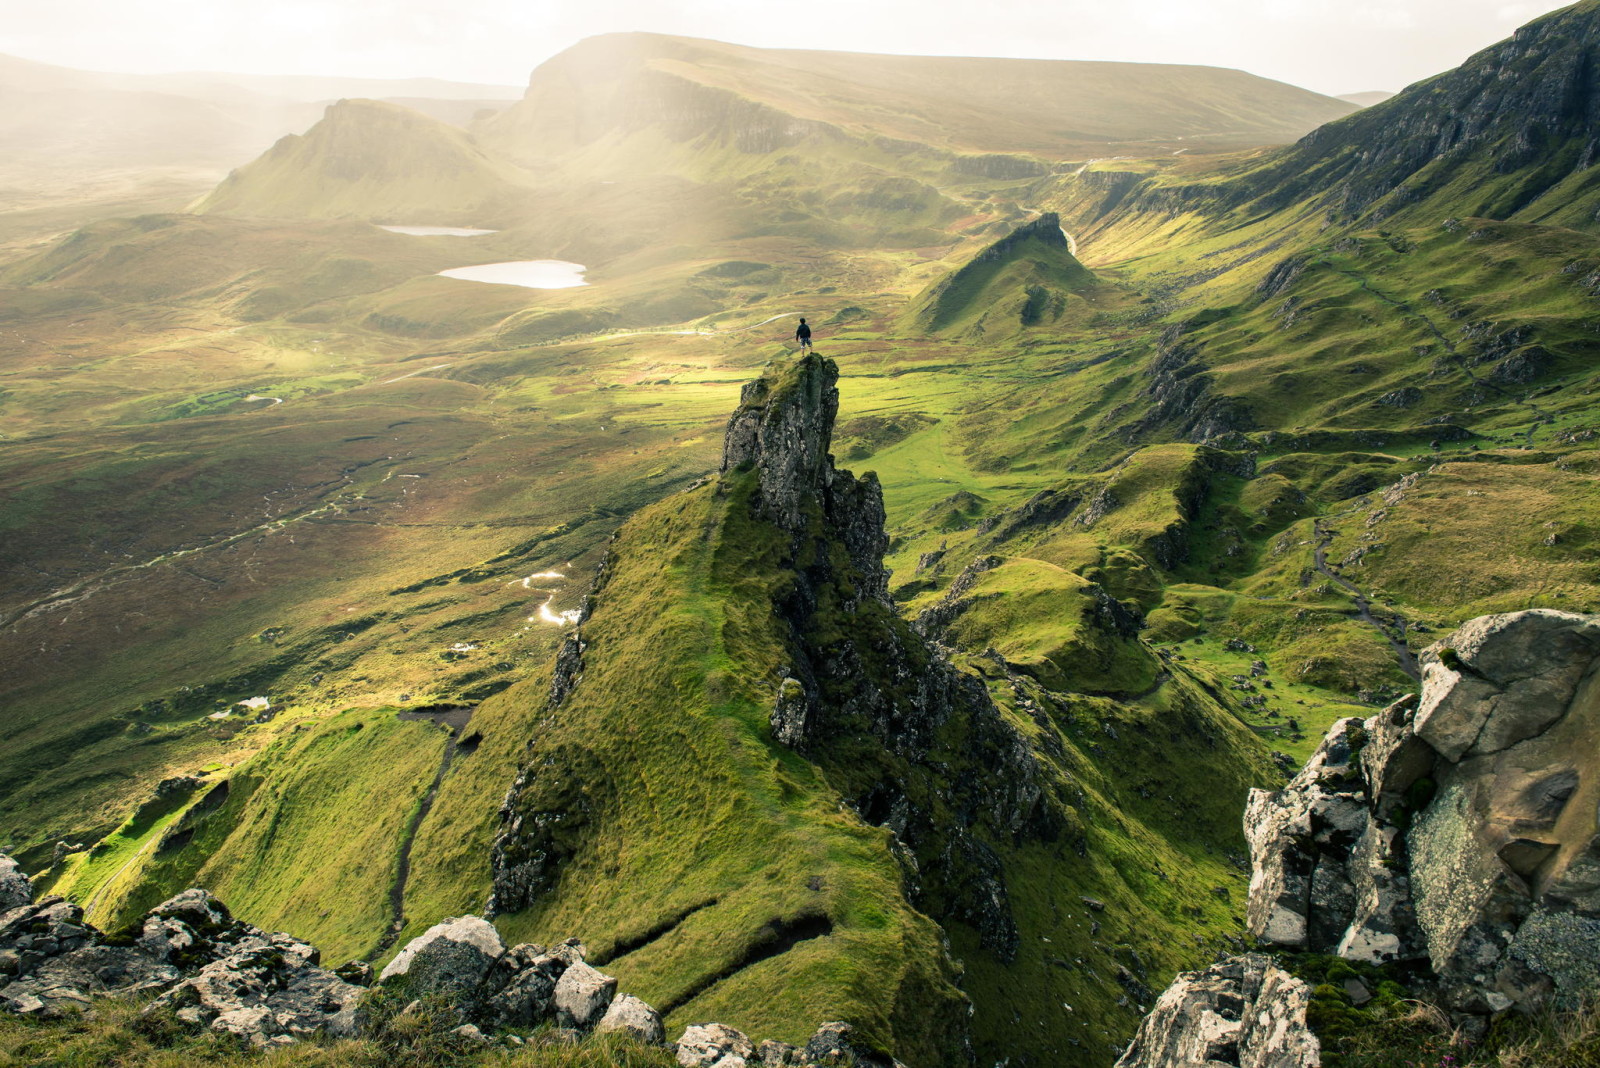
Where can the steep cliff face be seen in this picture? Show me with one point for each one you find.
(751, 777)
(1524, 114)
(1512, 133)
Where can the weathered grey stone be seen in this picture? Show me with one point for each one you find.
(773, 1054)
(582, 996)
(835, 1044)
(790, 713)
(1244, 1011)
(630, 1016)
(713, 1046)
(1301, 840)
(268, 990)
(94, 971)
(1394, 758)
(528, 998)
(16, 889)
(190, 928)
(449, 959)
(1501, 679)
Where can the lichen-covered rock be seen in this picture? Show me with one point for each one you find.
(1459, 827)
(16, 889)
(1302, 839)
(774, 1054)
(450, 959)
(791, 714)
(68, 982)
(582, 996)
(268, 990)
(630, 1016)
(190, 929)
(48, 928)
(835, 1044)
(1244, 1011)
(525, 995)
(714, 1046)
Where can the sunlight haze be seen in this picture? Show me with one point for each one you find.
(1319, 44)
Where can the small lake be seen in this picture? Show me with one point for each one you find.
(437, 231)
(533, 274)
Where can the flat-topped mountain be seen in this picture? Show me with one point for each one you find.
(683, 87)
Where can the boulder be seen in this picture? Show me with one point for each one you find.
(16, 889)
(772, 1054)
(191, 929)
(449, 960)
(630, 1016)
(1244, 1011)
(714, 1046)
(1501, 679)
(836, 1044)
(69, 981)
(528, 997)
(33, 934)
(582, 996)
(267, 990)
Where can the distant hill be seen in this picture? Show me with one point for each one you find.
(152, 141)
(1367, 99)
(370, 160)
(1026, 279)
(759, 99)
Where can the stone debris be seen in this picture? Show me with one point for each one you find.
(214, 971)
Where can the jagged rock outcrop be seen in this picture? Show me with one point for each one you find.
(874, 673)
(783, 429)
(1457, 828)
(216, 971)
(16, 889)
(1245, 1011)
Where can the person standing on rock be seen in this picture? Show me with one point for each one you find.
(802, 334)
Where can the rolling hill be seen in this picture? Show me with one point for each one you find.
(1149, 506)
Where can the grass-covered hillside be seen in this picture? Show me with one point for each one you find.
(295, 525)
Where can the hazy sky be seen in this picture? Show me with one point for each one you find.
(1334, 46)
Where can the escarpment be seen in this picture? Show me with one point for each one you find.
(863, 694)
(1455, 831)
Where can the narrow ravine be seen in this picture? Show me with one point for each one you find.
(402, 871)
(1394, 632)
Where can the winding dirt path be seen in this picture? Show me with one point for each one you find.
(402, 871)
(1394, 632)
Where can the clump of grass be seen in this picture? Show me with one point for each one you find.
(1396, 1029)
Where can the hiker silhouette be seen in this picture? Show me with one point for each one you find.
(802, 334)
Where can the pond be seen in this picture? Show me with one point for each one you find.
(534, 274)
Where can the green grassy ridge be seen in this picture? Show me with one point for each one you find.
(967, 105)
(697, 803)
(1027, 279)
(308, 838)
